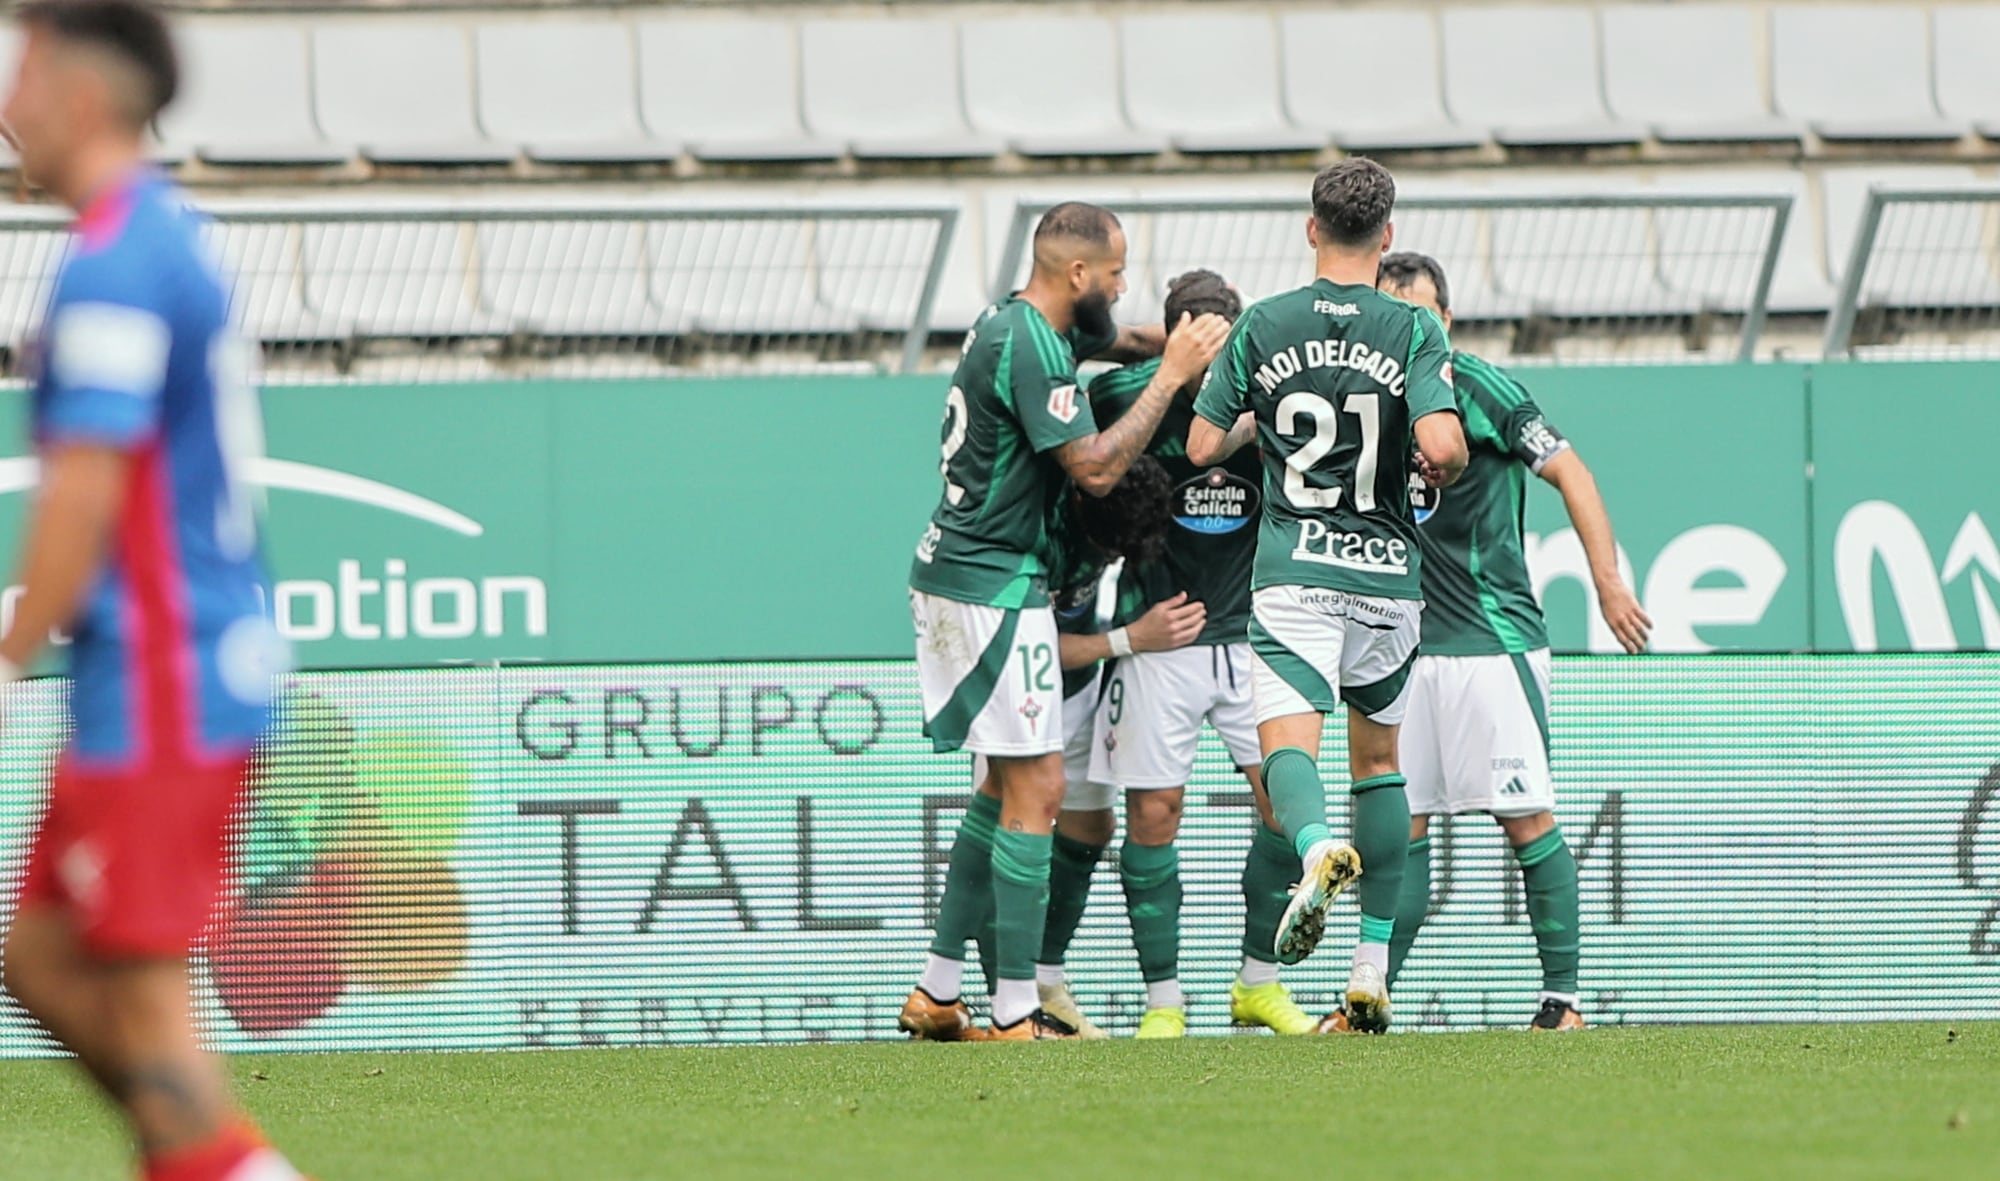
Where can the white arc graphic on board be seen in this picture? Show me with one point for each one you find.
(1974, 547)
(21, 473)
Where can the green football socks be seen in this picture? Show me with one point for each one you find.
(1548, 871)
(1382, 837)
(1412, 905)
(1269, 870)
(1020, 901)
(968, 879)
(1070, 868)
(1152, 877)
(1299, 799)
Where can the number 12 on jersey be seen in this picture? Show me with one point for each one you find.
(1325, 436)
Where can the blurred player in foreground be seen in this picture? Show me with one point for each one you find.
(1476, 738)
(1334, 381)
(1014, 429)
(1149, 723)
(143, 542)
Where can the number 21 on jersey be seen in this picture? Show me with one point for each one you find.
(1324, 432)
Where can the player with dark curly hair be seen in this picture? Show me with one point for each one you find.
(1086, 537)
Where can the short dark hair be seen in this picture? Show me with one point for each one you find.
(1200, 292)
(1352, 201)
(1402, 269)
(1079, 220)
(134, 30)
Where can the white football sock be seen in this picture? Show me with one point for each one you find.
(1015, 1000)
(1570, 999)
(944, 979)
(1373, 953)
(1165, 994)
(1049, 974)
(1256, 973)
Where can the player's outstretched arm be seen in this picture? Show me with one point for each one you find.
(68, 534)
(1135, 342)
(1097, 462)
(1166, 625)
(1441, 441)
(1571, 477)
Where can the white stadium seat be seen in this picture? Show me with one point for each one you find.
(1050, 86)
(729, 89)
(1966, 43)
(888, 87)
(1905, 273)
(402, 90)
(1857, 72)
(1648, 77)
(744, 276)
(1531, 74)
(28, 260)
(567, 90)
(1368, 101)
(261, 261)
(1210, 82)
(246, 97)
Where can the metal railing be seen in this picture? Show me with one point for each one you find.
(437, 289)
(1922, 277)
(1615, 276)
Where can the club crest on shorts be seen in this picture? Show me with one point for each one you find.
(1032, 710)
(1215, 503)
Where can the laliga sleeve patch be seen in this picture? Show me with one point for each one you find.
(108, 346)
(1062, 404)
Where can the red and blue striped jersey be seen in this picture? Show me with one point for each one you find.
(173, 653)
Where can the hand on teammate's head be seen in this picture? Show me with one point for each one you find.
(1193, 343)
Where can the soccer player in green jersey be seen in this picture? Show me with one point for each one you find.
(1477, 733)
(1335, 381)
(1014, 430)
(1149, 722)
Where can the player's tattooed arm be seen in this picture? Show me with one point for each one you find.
(1620, 607)
(1097, 462)
(68, 533)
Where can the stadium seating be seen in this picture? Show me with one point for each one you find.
(889, 88)
(1373, 102)
(728, 88)
(403, 93)
(1647, 49)
(983, 85)
(1043, 84)
(1163, 54)
(566, 91)
(1857, 72)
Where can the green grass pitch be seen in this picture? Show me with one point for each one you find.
(1819, 1102)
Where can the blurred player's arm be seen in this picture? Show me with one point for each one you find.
(1166, 625)
(1433, 402)
(1135, 342)
(69, 531)
(1224, 401)
(1569, 475)
(1096, 462)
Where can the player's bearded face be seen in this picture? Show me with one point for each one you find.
(1093, 313)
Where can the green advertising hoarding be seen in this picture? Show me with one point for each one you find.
(1763, 508)
(534, 856)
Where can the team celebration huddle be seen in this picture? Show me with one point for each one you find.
(1266, 515)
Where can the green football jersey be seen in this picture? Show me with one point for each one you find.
(1478, 599)
(1013, 399)
(1337, 376)
(1213, 540)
